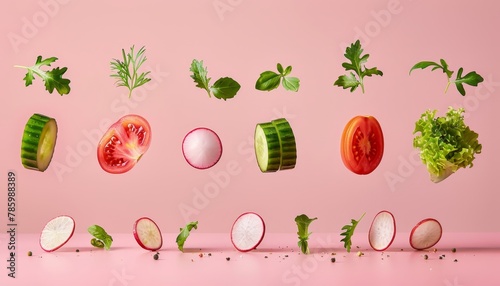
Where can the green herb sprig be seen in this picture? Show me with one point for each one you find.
(472, 78)
(270, 80)
(53, 78)
(224, 88)
(126, 70)
(349, 232)
(356, 64)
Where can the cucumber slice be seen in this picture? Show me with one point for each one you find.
(39, 141)
(267, 147)
(287, 143)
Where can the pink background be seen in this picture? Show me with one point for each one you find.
(248, 38)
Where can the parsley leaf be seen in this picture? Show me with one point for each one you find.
(349, 232)
(53, 78)
(223, 88)
(303, 222)
(184, 233)
(101, 238)
(270, 80)
(357, 61)
(126, 70)
(472, 78)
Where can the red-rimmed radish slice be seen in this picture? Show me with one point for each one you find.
(57, 232)
(382, 231)
(426, 234)
(147, 234)
(248, 231)
(202, 148)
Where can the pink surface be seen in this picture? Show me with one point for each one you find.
(241, 39)
(128, 264)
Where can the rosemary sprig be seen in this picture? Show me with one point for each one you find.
(126, 70)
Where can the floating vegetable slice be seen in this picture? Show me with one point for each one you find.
(275, 147)
(38, 143)
(202, 148)
(247, 232)
(124, 144)
(267, 147)
(287, 143)
(425, 234)
(382, 231)
(56, 233)
(362, 145)
(147, 234)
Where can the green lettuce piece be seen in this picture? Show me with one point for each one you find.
(446, 144)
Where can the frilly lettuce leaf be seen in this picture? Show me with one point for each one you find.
(446, 144)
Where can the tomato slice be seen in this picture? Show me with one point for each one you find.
(123, 144)
(362, 144)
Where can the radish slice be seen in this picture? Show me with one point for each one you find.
(382, 231)
(247, 232)
(147, 234)
(426, 234)
(56, 233)
(202, 148)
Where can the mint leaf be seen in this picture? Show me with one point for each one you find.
(354, 54)
(280, 68)
(471, 78)
(53, 78)
(291, 83)
(303, 222)
(184, 233)
(101, 237)
(349, 232)
(270, 80)
(223, 88)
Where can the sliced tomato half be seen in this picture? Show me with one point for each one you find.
(362, 144)
(123, 144)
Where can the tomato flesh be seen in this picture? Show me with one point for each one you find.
(362, 145)
(124, 144)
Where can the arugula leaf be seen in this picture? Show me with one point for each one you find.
(181, 238)
(303, 222)
(349, 232)
(357, 61)
(126, 69)
(53, 78)
(472, 78)
(446, 144)
(269, 80)
(223, 88)
(101, 237)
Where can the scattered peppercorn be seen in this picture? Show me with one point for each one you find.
(426, 257)
(78, 250)
(333, 260)
(265, 256)
(30, 253)
(156, 256)
(286, 255)
(440, 257)
(456, 260)
(453, 250)
(200, 255)
(228, 258)
(210, 254)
